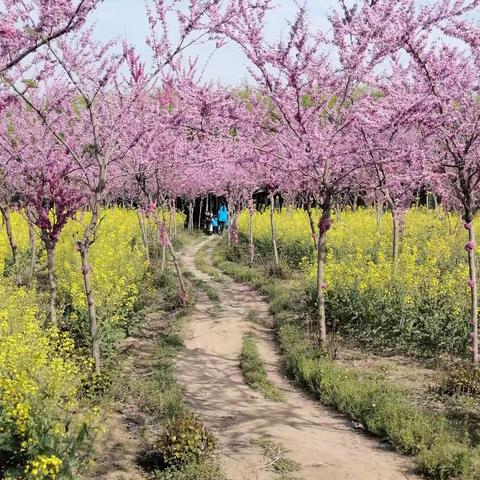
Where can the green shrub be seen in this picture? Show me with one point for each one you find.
(185, 440)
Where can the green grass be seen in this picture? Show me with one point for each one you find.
(276, 459)
(205, 470)
(211, 292)
(441, 449)
(253, 370)
(203, 265)
(252, 316)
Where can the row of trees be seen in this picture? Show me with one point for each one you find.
(383, 104)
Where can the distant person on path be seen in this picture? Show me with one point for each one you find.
(215, 224)
(222, 217)
(208, 223)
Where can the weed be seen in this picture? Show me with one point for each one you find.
(460, 377)
(252, 316)
(202, 285)
(277, 461)
(204, 470)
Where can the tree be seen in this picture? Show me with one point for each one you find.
(27, 26)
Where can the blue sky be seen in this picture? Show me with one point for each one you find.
(126, 19)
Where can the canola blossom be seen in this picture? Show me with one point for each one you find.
(43, 369)
(421, 310)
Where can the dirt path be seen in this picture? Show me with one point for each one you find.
(324, 444)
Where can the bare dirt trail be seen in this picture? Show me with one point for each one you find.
(324, 444)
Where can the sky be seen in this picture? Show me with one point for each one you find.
(126, 19)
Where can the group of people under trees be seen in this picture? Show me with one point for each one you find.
(215, 224)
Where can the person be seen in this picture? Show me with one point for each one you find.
(215, 224)
(208, 223)
(222, 217)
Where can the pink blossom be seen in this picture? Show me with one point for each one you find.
(470, 245)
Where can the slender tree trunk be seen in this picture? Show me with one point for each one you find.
(172, 231)
(33, 246)
(470, 248)
(337, 212)
(397, 221)
(200, 214)
(312, 224)
(164, 247)
(166, 241)
(190, 217)
(273, 230)
(324, 226)
(181, 283)
(397, 238)
(8, 226)
(52, 282)
(92, 313)
(378, 211)
(251, 246)
(355, 203)
(143, 229)
(233, 231)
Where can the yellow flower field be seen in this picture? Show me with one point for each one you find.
(424, 309)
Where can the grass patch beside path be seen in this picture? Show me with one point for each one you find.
(441, 449)
(204, 265)
(254, 372)
(276, 459)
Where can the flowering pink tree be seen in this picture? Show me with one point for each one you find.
(29, 25)
(393, 158)
(44, 174)
(310, 112)
(433, 87)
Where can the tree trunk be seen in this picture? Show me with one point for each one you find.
(33, 249)
(190, 217)
(52, 281)
(166, 241)
(396, 240)
(379, 212)
(312, 224)
(143, 229)
(272, 227)
(8, 225)
(172, 225)
(470, 247)
(200, 214)
(181, 283)
(337, 212)
(324, 226)
(92, 313)
(251, 246)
